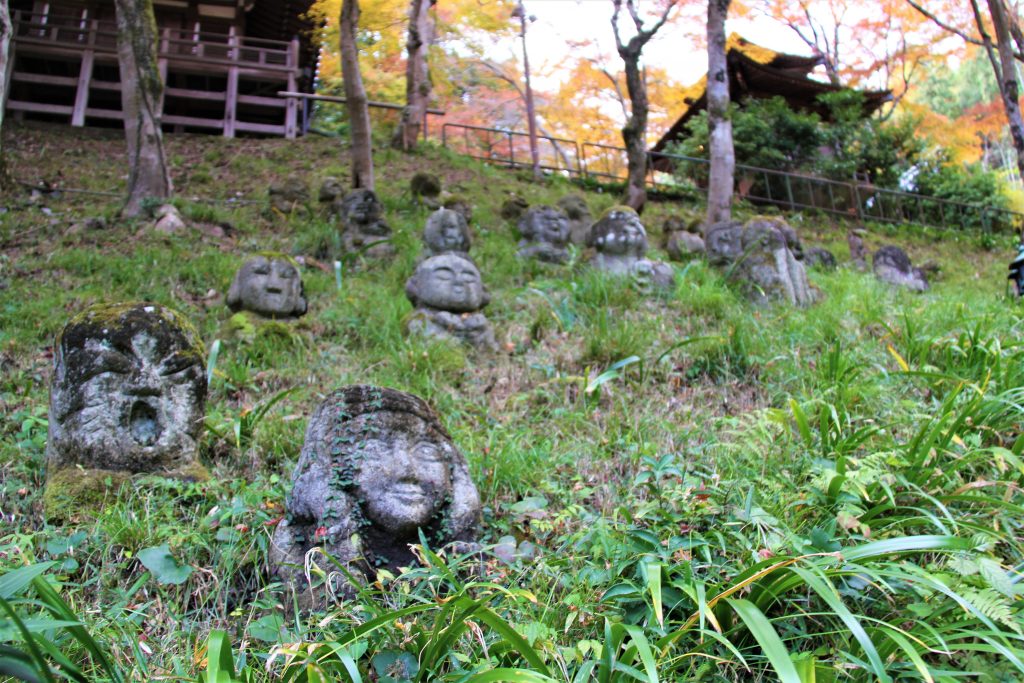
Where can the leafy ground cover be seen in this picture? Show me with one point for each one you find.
(683, 488)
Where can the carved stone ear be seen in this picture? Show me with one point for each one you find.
(235, 293)
(411, 287)
(485, 298)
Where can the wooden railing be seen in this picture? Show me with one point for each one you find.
(75, 32)
(181, 50)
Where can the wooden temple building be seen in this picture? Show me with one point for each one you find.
(223, 63)
(756, 72)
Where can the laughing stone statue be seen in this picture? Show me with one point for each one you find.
(127, 397)
(376, 469)
(545, 234)
(268, 285)
(448, 295)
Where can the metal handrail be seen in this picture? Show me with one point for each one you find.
(785, 189)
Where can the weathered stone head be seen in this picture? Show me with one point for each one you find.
(361, 207)
(545, 234)
(650, 277)
(424, 184)
(446, 231)
(376, 468)
(576, 209)
(619, 233)
(363, 224)
(758, 256)
(128, 392)
(269, 285)
(514, 207)
(331, 190)
(619, 239)
(447, 282)
(892, 265)
(574, 206)
(448, 294)
(288, 195)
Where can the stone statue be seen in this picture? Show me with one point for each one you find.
(448, 295)
(425, 187)
(858, 252)
(513, 208)
(545, 234)
(362, 224)
(376, 468)
(446, 231)
(758, 256)
(288, 195)
(891, 264)
(127, 397)
(269, 285)
(619, 239)
(820, 257)
(683, 238)
(620, 242)
(331, 191)
(576, 209)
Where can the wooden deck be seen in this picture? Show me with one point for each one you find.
(65, 67)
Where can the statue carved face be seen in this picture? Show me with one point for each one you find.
(545, 224)
(575, 206)
(404, 474)
(128, 391)
(446, 230)
(361, 207)
(447, 282)
(620, 233)
(268, 286)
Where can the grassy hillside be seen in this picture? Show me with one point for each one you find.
(763, 493)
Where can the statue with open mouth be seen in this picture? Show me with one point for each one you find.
(127, 397)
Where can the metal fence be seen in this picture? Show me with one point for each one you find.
(759, 186)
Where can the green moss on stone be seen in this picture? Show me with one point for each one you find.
(74, 493)
(618, 207)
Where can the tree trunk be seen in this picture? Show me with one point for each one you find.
(723, 158)
(355, 99)
(6, 182)
(142, 93)
(417, 75)
(531, 112)
(1006, 75)
(634, 133)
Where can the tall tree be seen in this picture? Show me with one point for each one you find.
(531, 114)
(1003, 51)
(355, 98)
(1004, 68)
(634, 133)
(721, 152)
(6, 30)
(417, 75)
(142, 92)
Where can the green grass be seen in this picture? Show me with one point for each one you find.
(698, 490)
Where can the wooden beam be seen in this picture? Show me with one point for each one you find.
(16, 105)
(267, 128)
(231, 96)
(217, 124)
(331, 98)
(45, 79)
(82, 94)
(291, 105)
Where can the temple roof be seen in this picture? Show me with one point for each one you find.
(758, 72)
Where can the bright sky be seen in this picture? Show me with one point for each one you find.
(562, 21)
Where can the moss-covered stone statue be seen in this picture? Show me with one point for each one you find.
(620, 245)
(376, 469)
(545, 233)
(449, 296)
(270, 286)
(127, 397)
(364, 229)
(757, 255)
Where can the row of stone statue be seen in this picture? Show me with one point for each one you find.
(128, 398)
